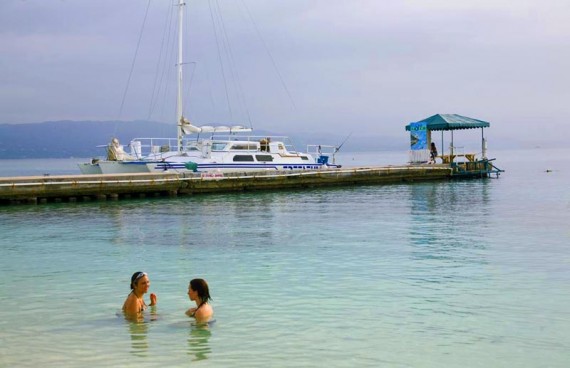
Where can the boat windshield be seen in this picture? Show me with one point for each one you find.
(244, 146)
(219, 146)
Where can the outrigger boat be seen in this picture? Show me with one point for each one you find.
(231, 152)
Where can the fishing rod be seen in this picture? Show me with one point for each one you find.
(336, 149)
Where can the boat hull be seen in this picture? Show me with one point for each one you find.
(123, 167)
(231, 167)
(90, 168)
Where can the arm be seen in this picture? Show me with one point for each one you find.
(190, 312)
(153, 300)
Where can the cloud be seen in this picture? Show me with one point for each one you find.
(368, 64)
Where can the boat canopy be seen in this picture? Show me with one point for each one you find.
(450, 122)
(189, 128)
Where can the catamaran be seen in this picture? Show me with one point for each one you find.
(224, 148)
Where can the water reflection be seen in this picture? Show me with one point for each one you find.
(139, 342)
(138, 329)
(195, 221)
(449, 215)
(198, 345)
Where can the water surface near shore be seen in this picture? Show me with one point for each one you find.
(455, 273)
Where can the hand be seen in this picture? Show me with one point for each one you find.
(153, 299)
(190, 311)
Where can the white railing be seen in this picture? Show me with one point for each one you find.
(318, 150)
(321, 149)
(142, 147)
(457, 150)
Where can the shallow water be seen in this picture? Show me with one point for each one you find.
(445, 274)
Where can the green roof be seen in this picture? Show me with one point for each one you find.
(451, 122)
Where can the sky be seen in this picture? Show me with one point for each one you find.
(363, 66)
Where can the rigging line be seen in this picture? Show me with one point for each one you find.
(157, 75)
(192, 74)
(225, 43)
(210, 91)
(186, 101)
(170, 55)
(220, 58)
(170, 47)
(134, 60)
(232, 66)
(269, 53)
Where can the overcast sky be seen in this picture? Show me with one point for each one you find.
(363, 66)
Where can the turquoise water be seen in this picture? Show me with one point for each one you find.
(445, 274)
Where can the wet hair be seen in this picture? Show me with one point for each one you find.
(135, 278)
(201, 287)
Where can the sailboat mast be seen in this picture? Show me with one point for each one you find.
(179, 70)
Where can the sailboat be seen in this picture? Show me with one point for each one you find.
(224, 148)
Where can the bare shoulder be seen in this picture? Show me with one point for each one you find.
(205, 313)
(131, 304)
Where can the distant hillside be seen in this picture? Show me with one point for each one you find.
(63, 139)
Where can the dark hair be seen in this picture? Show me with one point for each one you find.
(201, 287)
(135, 278)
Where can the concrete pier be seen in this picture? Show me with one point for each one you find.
(77, 188)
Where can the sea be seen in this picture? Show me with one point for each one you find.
(466, 273)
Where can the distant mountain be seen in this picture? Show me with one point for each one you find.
(64, 139)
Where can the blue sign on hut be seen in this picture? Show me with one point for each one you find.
(423, 150)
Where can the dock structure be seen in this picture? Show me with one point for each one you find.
(74, 188)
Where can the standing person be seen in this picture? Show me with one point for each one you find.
(433, 152)
(199, 293)
(134, 303)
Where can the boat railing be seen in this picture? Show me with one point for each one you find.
(141, 147)
(252, 138)
(323, 152)
(321, 149)
(262, 139)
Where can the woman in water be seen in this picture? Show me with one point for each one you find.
(199, 293)
(134, 303)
